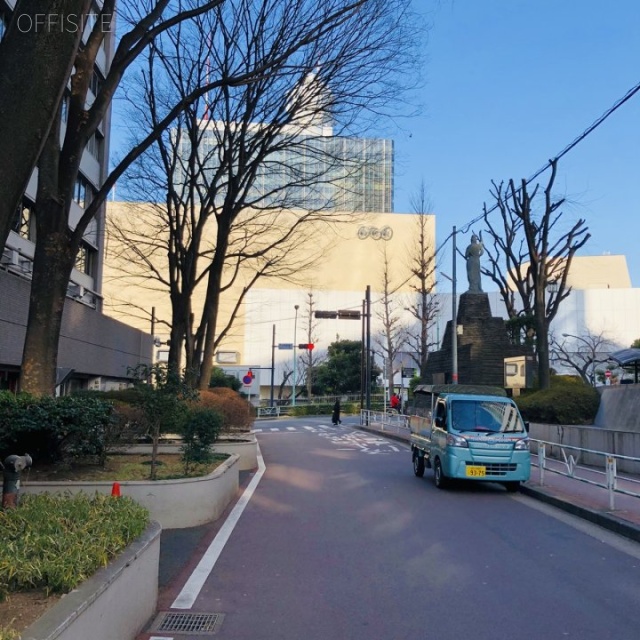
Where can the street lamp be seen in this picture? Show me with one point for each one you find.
(591, 349)
(295, 344)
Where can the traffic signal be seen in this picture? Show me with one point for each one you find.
(331, 315)
(349, 314)
(308, 346)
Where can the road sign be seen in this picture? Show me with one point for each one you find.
(607, 373)
(285, 345)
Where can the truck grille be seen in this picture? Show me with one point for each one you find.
(496, 468)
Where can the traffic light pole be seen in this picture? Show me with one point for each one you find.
(368, 367)
(273, 364)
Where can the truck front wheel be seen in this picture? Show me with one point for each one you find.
(418, 464)
(439, 479)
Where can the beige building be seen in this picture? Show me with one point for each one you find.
(333, 263)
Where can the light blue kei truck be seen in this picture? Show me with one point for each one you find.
(469, 433)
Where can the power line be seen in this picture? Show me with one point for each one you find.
(558, 156)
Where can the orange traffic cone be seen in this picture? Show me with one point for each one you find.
(115, 489)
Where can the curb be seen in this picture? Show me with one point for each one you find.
(604, 520)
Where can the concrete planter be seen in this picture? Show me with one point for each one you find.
(245, 446)
(175, 504)
(116, 602)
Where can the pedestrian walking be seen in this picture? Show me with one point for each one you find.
(335, 416)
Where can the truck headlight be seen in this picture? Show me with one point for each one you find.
(522, 444)
(456, 441)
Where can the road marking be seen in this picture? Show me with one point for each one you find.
(187, 597)
(291, 429)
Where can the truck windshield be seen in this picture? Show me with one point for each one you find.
(485, 415)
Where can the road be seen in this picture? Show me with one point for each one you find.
(340, 541)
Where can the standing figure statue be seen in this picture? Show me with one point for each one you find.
(472, 255)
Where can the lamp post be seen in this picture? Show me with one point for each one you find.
(295, 344)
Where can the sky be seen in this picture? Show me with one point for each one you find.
(507, 85)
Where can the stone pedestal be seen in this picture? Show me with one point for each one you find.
(482, 346)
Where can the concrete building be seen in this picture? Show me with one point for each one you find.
(95, 350)
(351, 258)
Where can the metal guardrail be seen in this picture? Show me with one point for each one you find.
(569, 467)
(270, 412)
(389, 421)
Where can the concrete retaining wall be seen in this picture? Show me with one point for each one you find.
(116, 602)
(625, 443)
(619, 408)
(175, 504)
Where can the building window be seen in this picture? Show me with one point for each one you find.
(94, 146)
(82, 192)
(24, 222)
(86, 259)
(95, 83)
(64, 108)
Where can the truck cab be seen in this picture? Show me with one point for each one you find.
(469, 434)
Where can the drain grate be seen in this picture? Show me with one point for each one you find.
(191, 623)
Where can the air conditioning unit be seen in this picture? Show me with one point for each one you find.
(76, 291)
(10, 257)
(26, 265)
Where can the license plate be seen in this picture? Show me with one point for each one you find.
(476, 472)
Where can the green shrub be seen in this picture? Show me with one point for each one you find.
(199, 431)
(54, 542)
(221, 379)
(568, 401)
(54, 429)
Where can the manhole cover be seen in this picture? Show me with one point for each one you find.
(189, 623)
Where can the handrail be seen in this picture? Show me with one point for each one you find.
(608, 479)
(389, 420)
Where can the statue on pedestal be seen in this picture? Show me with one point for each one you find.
(472, 256)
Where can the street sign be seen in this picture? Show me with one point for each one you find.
(285, 345)
(607, 373)
(348, 314)
(247, 380)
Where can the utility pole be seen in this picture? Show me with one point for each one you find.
(368, 368)
(454, 317)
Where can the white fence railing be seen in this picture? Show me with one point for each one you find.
(568, 465)
(388, 421)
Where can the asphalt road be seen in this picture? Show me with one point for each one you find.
(341, 542)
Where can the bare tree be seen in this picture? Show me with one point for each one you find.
(36, 56)
(424, 307)
(581, 353)
(236, 180)
(310, 357)
(393, 335)
(529, 251)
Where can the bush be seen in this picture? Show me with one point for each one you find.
(54, 429)
(221, 379)
(237, 413)
(568, 401)
(54, 542)
(199, 431)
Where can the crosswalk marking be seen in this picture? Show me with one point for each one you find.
(343, 438)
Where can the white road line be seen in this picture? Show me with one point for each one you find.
(256, 430)
(291, 429)
(187, 597)
(275, 429)
(160, 638)
(309, 428)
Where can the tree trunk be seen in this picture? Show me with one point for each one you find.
(54, 259)
(212, 302)
(34, 67)
(542, 341)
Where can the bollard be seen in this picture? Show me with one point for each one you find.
(13, 466)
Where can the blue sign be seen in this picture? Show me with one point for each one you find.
(285, 345)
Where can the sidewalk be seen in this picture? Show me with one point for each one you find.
(578, 498)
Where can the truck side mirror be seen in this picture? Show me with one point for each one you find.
(440, 422)
(526, 427)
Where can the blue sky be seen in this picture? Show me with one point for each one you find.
(508, 84)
